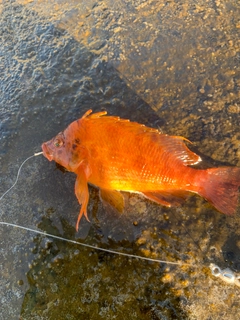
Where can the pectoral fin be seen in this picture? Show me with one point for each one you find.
(113, 197)
(167, 198)
(82, 194)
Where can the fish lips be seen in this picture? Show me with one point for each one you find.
(47, 151)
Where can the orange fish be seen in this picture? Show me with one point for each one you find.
(118, 155)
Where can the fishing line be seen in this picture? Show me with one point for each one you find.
(179, 263)
(18, 173)
(226, 275)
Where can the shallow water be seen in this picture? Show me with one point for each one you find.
(173, 65)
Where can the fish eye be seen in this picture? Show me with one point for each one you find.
(58, 142)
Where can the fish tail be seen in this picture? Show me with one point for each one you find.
(220, 187)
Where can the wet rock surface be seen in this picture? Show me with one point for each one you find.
(167, 64)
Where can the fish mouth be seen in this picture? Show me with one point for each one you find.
(46, 152)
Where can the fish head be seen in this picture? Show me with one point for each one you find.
(66, 148)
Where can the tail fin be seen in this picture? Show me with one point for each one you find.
(220, 188)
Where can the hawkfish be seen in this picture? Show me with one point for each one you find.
(116, 155)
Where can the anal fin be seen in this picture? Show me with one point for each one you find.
(113, 197)
(167, 198)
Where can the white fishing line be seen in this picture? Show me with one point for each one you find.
(226, 275)
(179, 263)
(34, 155)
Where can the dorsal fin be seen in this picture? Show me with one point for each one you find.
(94, 115)
(176, 146)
